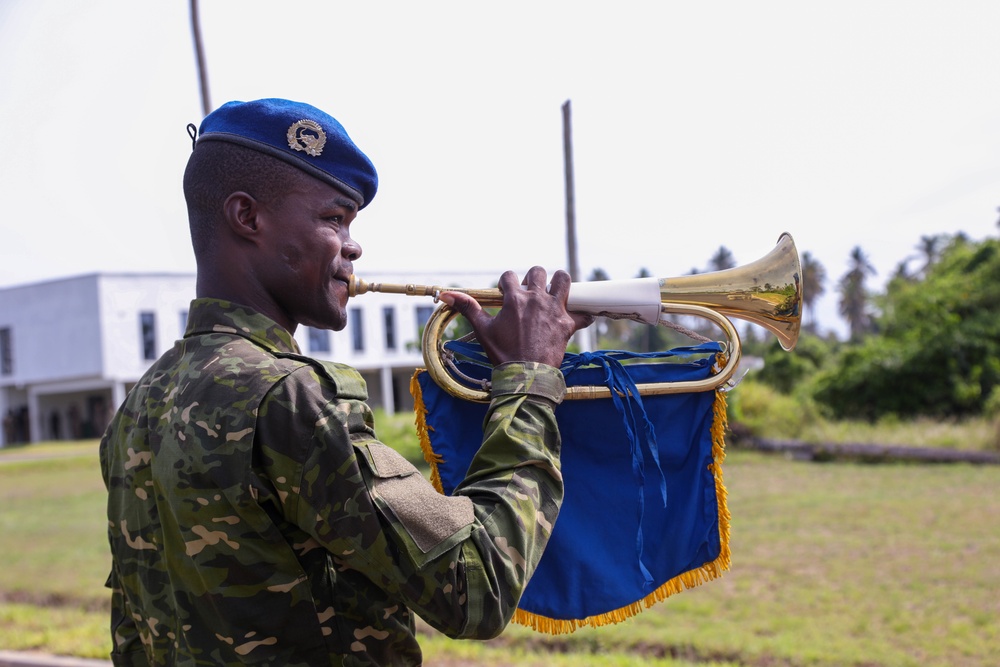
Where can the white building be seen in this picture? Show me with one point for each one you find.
(70, 349)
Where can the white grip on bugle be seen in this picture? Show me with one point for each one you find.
(637, 298)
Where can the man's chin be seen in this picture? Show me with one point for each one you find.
(339, 320)
(335, 319)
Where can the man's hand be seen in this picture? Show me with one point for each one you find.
(532, 325)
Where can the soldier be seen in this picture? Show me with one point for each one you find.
(253, 515)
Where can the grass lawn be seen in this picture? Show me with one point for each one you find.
(833, 564)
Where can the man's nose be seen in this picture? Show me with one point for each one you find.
(351, 249)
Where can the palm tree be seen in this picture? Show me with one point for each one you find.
(813, 285)
(930, 248)
(599, 274)
(854, 296)
(722, 259)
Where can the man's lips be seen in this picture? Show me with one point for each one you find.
(341, 282)
(343, 274)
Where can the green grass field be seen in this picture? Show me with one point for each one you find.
(833, 564)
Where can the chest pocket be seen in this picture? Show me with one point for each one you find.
(425, 519)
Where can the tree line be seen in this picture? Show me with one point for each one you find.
(927, 345)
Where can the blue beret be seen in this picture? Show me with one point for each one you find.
(299, 134)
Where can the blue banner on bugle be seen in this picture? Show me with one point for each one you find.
(644, 514)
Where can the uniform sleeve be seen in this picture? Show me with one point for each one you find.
(461, 562)
(127, 649)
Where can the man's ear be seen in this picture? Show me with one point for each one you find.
(240, 211)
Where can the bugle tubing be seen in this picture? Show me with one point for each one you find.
(767, 292)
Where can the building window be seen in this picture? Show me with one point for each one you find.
(319, 340)
(423, 314)
(6, 353)
(357, 330)
(147, 326)
(389, 320)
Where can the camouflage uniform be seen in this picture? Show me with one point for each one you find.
(255, 518)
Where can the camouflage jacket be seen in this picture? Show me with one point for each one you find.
(255, 518)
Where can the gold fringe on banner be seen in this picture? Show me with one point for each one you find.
(420, 410)
(690, 579)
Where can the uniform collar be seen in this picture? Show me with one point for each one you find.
(208, 316)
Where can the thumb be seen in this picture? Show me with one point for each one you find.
(465, 305)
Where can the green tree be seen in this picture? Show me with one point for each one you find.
(786, 372)
(813, 286)
(854, 302)
(938, 350)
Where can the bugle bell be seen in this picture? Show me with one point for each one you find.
(767, 292)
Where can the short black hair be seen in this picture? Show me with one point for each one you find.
(215, 170)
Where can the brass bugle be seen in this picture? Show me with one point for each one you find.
(767, 292)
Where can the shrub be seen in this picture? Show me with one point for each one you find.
(759, 410)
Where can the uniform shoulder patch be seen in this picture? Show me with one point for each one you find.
(427, 516)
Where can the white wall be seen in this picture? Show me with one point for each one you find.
(55, 330)
(77, 341)
(122, 298)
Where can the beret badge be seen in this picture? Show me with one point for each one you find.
(307, 136)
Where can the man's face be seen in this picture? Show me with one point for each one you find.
(309, 254)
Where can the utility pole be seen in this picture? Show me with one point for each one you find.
(574, 267)
(199, 52)
(584, 338)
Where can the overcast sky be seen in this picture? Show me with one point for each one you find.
(695, 126)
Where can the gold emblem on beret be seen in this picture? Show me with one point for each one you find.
(308, 136)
